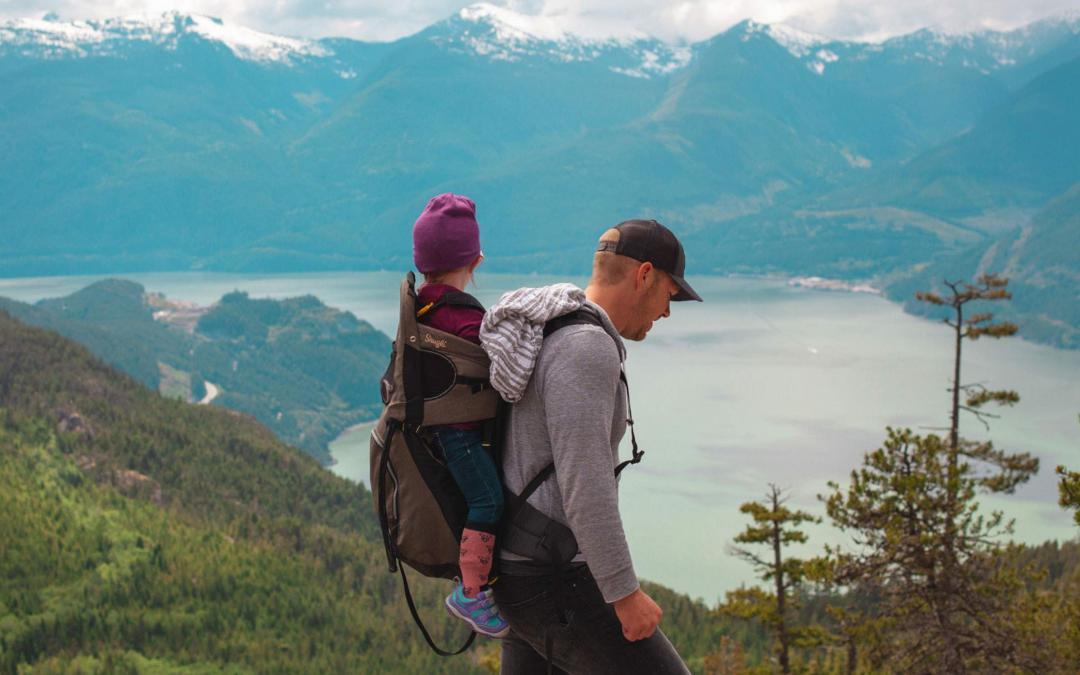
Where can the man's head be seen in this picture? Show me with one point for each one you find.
(637, 272)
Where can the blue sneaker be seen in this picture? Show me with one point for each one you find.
(479, 612)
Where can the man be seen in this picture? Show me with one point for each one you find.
(589, 616)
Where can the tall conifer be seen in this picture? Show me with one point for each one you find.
(921, 544)
(775, 526)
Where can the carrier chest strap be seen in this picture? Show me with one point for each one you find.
(637, 454)
(581, 317)
(475, 383)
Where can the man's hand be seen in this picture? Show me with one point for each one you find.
(639, 615)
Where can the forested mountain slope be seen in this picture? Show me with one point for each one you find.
(141, 533)
(1042, 261)
(305, 370)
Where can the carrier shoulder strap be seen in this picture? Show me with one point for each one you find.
(577, 318)
(391, 553)
(420, 623)
(529, 531)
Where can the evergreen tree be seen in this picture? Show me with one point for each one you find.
(1069, 491)
(927, 552)
(923, 547)
(775, 526)
(989, 288)
(728, 659)
(1069, 488)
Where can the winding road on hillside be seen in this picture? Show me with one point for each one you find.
(211, 393)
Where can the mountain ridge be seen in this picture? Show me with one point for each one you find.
(304, 370)
(766, 148)
(507, 26)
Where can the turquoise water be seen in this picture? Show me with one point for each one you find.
(760, 383)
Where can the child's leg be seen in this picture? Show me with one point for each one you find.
(476, 476)
(475, 560)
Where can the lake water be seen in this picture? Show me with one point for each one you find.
(760, 383)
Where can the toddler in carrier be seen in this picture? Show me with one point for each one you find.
(446, 250)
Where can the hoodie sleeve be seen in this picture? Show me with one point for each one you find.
(578, 386)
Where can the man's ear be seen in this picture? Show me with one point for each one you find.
(641, 275)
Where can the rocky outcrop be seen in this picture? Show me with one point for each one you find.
(71, 422)
(135, 484)
(127, 482)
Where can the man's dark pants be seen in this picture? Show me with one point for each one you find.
(565, 615)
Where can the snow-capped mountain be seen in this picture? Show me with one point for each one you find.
(51, 38)
(983, 51)
(181, 140)
(501, 34)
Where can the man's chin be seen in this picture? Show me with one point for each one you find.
(638, 335)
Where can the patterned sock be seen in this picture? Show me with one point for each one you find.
(475, 560)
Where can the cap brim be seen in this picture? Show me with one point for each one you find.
(686, 292)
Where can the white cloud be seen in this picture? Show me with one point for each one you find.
(672, 20)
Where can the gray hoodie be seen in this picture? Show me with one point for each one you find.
(573, 412)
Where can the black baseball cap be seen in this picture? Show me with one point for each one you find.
(649, 241)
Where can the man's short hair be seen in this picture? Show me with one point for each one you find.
(610, 268)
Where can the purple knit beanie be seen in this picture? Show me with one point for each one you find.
(446, 236)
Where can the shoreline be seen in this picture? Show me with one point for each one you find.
(334, 461)
(355, 427)
(832, 285)
(49, 286)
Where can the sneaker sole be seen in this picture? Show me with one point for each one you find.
(452, 611)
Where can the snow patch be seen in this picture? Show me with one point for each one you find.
(251, 125)
(823, 56)
(798, 42)
(857, 161)
(501, 34)
(511, 26)
(55, 38)
(252, 45)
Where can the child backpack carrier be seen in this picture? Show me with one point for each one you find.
(436, 378)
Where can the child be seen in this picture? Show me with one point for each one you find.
(446, 250)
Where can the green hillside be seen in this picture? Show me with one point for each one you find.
(99, 582)
(1020, 154)
(144, 534)
(1042, 262)
(305, 370)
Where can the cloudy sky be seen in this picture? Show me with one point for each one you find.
(672, 20)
